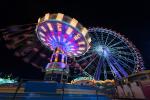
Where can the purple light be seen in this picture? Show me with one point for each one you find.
(59, 35)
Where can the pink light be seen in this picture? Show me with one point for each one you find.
(66, 36)
(72, 40)
(59, 35)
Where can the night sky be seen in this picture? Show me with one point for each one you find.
(129, 18)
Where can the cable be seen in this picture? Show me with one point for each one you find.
(18, 87)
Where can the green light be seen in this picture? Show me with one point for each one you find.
(7, 80)
(84, 78)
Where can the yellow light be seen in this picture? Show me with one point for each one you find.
(47, 16)
(62, 60)
(84, 31)
(43, 28)
(69, 30)
(73, 22)
(59, 16)
(39, 20)
(57, 51)
(76, 37)
(50, 26)
(56, 58)
(89, 40)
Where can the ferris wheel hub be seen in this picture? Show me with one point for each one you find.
(102, 50)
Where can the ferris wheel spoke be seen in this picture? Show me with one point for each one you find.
(115, 44)
(124, 64)
(98, 69)
(123, 53)
(89, 51)
(119, 67)
(106, 39)
(102, 38)
(120, 47)
(127, 59)
(113, 69)
(89, 63)
(85, 57)
(124, 58)
(105, 71)
(111, 41)
(87, 74)
(97, 38)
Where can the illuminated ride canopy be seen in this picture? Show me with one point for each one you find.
(63, 35)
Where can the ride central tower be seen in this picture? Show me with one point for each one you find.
(65, 36)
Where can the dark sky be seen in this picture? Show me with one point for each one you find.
(129, 18)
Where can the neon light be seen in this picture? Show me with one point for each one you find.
(50, 26)
(62, 60)
(56, 57)
(69, 30)
(39, 20)
(72, 49)
(81, 48)
(69, 43)
(58, 38)
(59, 26)
(49, 38)
(89, 40)
(75, 54)
(79, 52)
(64, 39)
(47, 16)
(84, 31)
(76, 37)
(54, 38)
(74, 22)
(82, 42)
(59, 16)
(42, 34)
(71, 46)
(43, 39)
(7, 80)
(43, 28)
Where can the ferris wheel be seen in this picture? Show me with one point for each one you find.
(111, 56)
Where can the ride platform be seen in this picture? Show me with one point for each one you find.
(46, 90)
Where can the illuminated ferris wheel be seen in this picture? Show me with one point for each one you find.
(111, 56)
